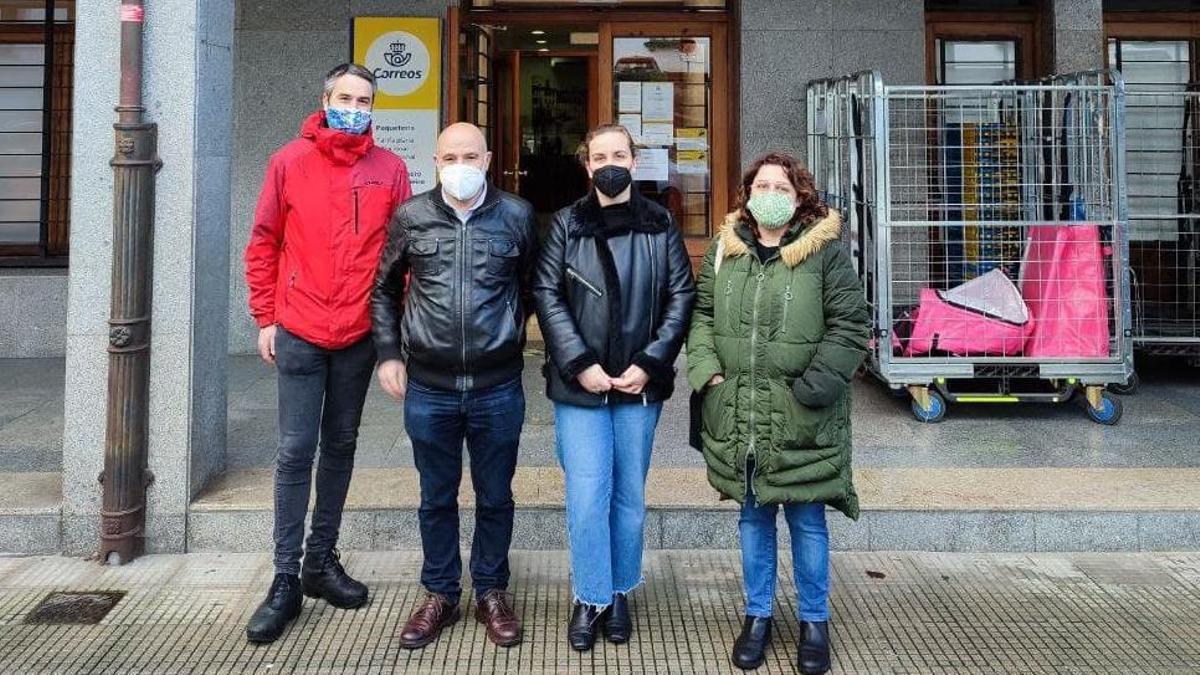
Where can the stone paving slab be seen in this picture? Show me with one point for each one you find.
(892, 613)
(901, 489)
(1159, 428)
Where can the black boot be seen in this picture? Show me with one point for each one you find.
(749, 650)
(581, 632)
(282, 605)
(814, 647)
(618, 625)
(323, 576)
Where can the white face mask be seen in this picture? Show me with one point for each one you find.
(462, 181)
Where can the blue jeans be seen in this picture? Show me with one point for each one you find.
(321, 395)
(810, 557)
(489, 420)
(605, 455)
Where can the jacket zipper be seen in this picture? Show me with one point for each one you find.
(653, 304)
(512, 315)
(653, 285)
(462, 277)
(461, 257)
(787, 300)
(587, 284)
(725, 301)
(355, 211)
(753, 385)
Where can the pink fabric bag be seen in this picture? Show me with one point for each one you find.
(942, 325)
(1063, 283)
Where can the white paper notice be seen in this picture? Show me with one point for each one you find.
(658, 102)
(658, 133)
(652, 164)
(629, 97)
(632, 122)
(412, 134)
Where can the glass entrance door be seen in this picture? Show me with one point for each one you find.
(668, 85)
(536, 85)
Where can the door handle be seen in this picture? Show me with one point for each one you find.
(516, 173)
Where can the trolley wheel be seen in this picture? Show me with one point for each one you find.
(1129, 388)
(936, 411)
(1109, 412)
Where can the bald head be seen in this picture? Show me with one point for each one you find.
(462, 136)
(461, 143)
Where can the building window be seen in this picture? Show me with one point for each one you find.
(981, 42)
(976, 61)
(36, 59)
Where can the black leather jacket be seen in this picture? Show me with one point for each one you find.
(579, 300)
(459, 324)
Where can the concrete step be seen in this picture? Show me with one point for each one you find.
(30, 512)
(930, 509)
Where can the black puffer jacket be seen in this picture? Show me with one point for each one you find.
(580, 307)
(459, 324)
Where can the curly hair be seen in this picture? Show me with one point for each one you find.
(811, 207)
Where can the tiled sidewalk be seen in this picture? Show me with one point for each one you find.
(893, 613)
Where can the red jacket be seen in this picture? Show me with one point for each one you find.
(319, 227)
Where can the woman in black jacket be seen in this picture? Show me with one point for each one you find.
(614, 295)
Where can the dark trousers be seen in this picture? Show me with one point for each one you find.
(489, 420)
(321, 395)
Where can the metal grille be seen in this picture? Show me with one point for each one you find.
(1164, 216)
(1001, 206)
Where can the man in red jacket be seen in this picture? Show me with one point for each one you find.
(319, 227)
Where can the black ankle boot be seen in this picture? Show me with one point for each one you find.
(282, 605)
(323, 576)
(749, 650)
(581, 631)
(814, 647)
(618, 624)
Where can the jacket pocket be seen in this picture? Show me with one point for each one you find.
(718, 412)
(423, 257)
(588, 285)
(794, 425)
(502, 257)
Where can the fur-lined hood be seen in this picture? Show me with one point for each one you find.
(811, 239)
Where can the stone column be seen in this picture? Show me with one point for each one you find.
(188, 93)
(1077, 39)
(786, 44)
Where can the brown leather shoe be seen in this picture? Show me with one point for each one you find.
(495, 611)
(428, 620)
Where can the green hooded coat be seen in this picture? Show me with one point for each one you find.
(788, 334)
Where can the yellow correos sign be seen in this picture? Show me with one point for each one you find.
(405, 55)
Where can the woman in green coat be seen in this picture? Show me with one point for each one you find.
(779, 329)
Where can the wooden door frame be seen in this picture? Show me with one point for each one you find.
(514, 99)
(724, 144)
(1023, 25)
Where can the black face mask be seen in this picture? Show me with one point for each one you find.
(611, 180)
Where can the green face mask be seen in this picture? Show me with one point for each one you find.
(772, 210)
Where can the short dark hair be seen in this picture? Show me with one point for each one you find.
(582, 153)
(347, 69)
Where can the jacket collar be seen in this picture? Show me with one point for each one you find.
(799, 243)
(338, 147)
(492, 196)
(646, 218)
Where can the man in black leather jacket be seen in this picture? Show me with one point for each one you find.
(448, 315)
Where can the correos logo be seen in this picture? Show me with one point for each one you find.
(399, 62)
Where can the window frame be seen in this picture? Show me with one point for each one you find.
(1023, 26)
(57, 38)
